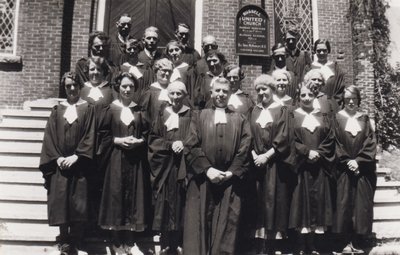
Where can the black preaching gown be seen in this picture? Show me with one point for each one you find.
(311, 204)
(213, 210)
(123, 203)
(67, 189)
(168, 171)
(275, 176)
(355, 193)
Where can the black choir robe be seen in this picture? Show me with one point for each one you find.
(168, 171)
(190, 56)
(67, 196)
(213, 210)
(355, 193)
(200, 90)
(124, 201)
(274, 178)
(245, 108)
(311, 204)
(147, 60)
(147, 76)
(297, 62)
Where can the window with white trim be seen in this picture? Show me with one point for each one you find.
(8, 26)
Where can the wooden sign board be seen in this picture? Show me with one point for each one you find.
(252, 28)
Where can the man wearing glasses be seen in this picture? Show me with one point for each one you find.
(182, 34)
(120, 39)
(209, 43)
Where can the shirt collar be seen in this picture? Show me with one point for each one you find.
(149, 53)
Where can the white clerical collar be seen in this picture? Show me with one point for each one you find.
(234, 100)
(219, 116)
(176, 74)
(133, 70)
(309, 122)
(163, 93)
(71, 113)
(352, 125)
(89, 84)
(265, 116)
(325, 69)
(150, 54)
(282, 100)
(173, 120)
(126, 114)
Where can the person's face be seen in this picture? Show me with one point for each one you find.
(150, 40)
(220, 94)
(306, 98)
(234, 79)
(163, 75)
(264, 94)
(176, 96)
(124, 26)
(291, 42)
(350, 101)
(126, 89)
(72, 90)
(131, 49)
(209, 43)
(98, 47)
(182, 35)
(322, 52)
(281, 83)
(317, 82)
(280, 59)
(214, 64)
(175, 53)
(96, 75)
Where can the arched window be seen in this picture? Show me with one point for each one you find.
(296, 13)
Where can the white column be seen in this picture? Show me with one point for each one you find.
(314, 6)
(198, 27)
(101, 12)
(15, 35)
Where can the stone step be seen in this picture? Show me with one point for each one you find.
(387, 197)
(21, 176)
(13, 147)
(27, 135)
(42, 104)
(22, 231)
(387, 213)
(23, 211)
(19, 162)
(383, 170)
(386, 229)
(22, 192)
(27, 248)
(24, 114)
(22, 124)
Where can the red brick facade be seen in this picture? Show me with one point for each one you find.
(46, 29)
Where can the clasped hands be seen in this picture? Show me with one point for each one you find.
(313, 156)
(177, 147)
(353, 166)
(216, 176)
(128, 142)
(67, 162)
(262, 159)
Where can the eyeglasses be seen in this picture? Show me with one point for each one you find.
(182, 34)
(98, 47)
(211, 46)
(124, 24)
(165, 70)
(171, 50)
(322, 51)
(235, 78)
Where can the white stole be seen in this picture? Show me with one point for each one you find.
(95, 92)
(234, 99)
(325, 69)
(309, 122)
(71, 113)
(352, 125)
(265, 116)
(163, 93)
(126, 114)
(173, 120)
(219, 116)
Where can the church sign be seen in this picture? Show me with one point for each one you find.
(252, 27)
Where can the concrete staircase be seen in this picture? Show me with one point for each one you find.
(23, 210)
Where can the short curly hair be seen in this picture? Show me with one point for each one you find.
(122, 75)
(72, 76)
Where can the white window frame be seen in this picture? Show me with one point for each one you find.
(15, 32)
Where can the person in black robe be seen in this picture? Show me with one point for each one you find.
(282, 80)
(119, 40)
(311, 206)
(217, 158)
(190, 55)
(124, 199)
(167, 140)
(270, 147)
(200, 90)
(181, 72)
(66, 156)
(150, 53)
(356, 170)
(99, 47)
(333, 75)
(297, 61)
(209, 43)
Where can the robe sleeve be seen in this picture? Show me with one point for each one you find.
(326, 149)
(50, 150)
(368, 152)
(240, 160)
(341, 154)
(339, 85)
(86, 145)
(195, 157)
(145, 102)
(281, 139)
(81, 71)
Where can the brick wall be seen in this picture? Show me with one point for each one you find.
(39, 44)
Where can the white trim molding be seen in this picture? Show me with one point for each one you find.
(101, 12)
(314, 7)
(198, 27)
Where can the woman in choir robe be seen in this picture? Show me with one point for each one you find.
(156, 96)
(356, 169)
(143, 73)
(311, 205)
(326, 105)
(217, 155)
(270, 146)
(124, 199)
(181, 72)
(333, 75)
(282, 80)
(167, 140)
(65, 158)
(200, 92)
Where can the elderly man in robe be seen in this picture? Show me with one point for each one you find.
(216, 157)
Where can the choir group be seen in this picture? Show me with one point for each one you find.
(151, 142)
